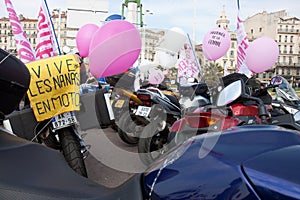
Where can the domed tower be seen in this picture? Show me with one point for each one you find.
(223, 22)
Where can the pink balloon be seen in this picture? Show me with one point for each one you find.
(261, 54)
(84, 37)
(114, 48)
(156, 76)
(216, 43)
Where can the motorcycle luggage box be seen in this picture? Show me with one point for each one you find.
(101, 108)
(86, 116)
(23, 123)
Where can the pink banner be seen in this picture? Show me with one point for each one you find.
(243, 43)
(187, 65)
(46, 46)
(25, 50)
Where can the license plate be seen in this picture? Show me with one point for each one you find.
(143, 111)
(63, 120)
(119, 103)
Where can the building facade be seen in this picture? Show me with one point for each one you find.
(285, 31)
(7, 40)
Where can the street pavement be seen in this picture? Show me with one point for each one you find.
(110, 162)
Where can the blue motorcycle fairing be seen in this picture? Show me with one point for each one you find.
(275, 174)
(218, 175)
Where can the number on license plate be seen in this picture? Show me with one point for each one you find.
(143, 111)
(63, 120)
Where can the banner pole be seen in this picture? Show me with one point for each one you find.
(52, 27)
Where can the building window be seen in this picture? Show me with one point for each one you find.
(292, 29)
(232, 44)
(291, 49)
(284, 50)
(298, 60)
(291, 38)
(251, 31)
(284, 60)
(290, 60)
(279, 38)
(231, 63)
(279, 47)
(231, 54)
(286, 28)
(286, 38)
(260, 30)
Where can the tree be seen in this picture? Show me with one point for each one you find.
(212, 73)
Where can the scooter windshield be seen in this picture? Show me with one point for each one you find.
(286, 87)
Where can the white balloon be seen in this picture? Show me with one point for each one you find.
(166, 59)
(173, 40)
(146, 65)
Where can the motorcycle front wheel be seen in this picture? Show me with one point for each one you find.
(71, 150)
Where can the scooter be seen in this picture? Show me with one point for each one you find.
(286, 100)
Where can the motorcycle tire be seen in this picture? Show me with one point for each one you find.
(125, 129)
(152, 143)
(71, 150)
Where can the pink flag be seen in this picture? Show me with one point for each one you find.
(46, 41)
(25, 50)
(243, 43)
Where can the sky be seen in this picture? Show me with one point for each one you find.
(177, 13)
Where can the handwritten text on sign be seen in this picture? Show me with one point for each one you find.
(54, 86)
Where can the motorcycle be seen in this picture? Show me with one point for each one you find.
(156, 136)
(243, 112)
(286, 100)
(59, 131)
(138, 106)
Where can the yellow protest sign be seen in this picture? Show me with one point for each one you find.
(54, 86)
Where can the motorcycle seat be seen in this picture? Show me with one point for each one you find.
(33, 171)
(173, 100)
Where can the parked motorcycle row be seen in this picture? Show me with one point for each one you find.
(229, 140)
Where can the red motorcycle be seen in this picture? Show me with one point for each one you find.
(235, 110)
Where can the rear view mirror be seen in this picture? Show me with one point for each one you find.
(230, 93)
